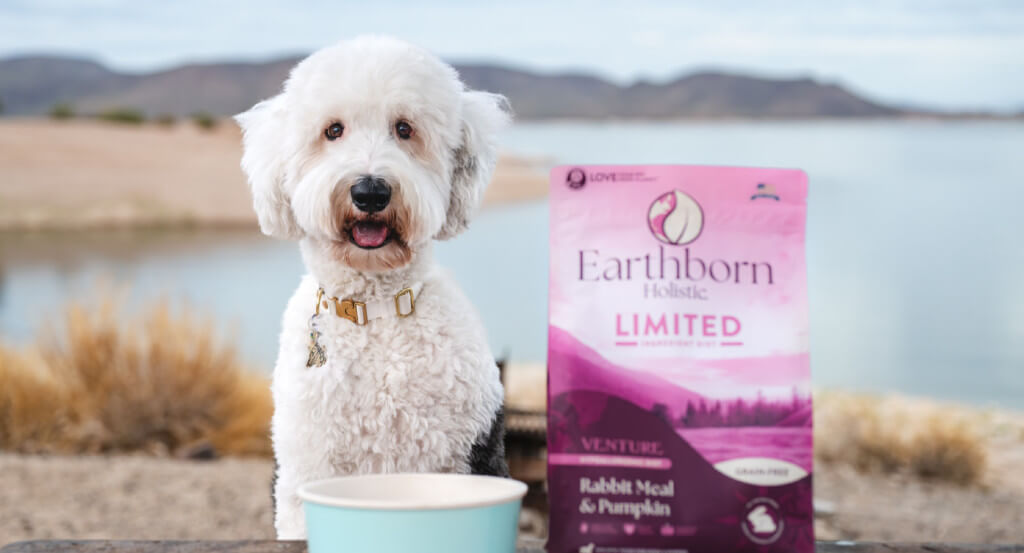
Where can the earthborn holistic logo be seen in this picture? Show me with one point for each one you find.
(675, 218)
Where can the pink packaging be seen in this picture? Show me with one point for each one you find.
(679, 408)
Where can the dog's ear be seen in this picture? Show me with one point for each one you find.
(483, 115)
(263, 160)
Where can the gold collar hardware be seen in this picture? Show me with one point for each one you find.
(360, 313)
(398, 303)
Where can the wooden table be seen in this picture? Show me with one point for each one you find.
(103, 546)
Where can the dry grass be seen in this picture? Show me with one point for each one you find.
(159, 382)
(163, 383)
(33, 411)
(898, 434)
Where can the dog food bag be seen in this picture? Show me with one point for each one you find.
(679, 408)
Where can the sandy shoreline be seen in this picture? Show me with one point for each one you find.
(146, 497)
(88, 174)
(90, 497)
(137, 497)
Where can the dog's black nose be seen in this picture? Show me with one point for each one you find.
(370, 194)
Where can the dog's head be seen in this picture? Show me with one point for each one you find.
(375, 147)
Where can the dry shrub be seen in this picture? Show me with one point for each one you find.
(898, 434)
(160, 382)
(33, 411)
(122, 115)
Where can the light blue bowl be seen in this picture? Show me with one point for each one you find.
(421, 513)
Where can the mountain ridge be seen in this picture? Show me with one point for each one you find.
(33, 84)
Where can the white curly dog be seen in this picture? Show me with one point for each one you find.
(373, 150)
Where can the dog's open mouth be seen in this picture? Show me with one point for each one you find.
(370, 234)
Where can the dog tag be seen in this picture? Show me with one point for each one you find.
(317, 356)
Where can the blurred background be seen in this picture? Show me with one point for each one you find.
(140, 306)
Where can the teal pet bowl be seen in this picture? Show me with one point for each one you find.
(421, 513)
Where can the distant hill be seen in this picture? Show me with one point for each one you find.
(32, 85)
(698, 95)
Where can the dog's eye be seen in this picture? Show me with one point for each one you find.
(334, 131)
(403, 129)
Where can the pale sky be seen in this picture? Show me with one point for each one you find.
(940, 53)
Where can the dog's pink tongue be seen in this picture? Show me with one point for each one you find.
(370, 235)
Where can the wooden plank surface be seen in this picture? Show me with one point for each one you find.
(104, 546)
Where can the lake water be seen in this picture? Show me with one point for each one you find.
(915, 255)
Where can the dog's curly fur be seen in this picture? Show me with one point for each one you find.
(420, 393)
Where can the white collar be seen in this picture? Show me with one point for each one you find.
(399, 305)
